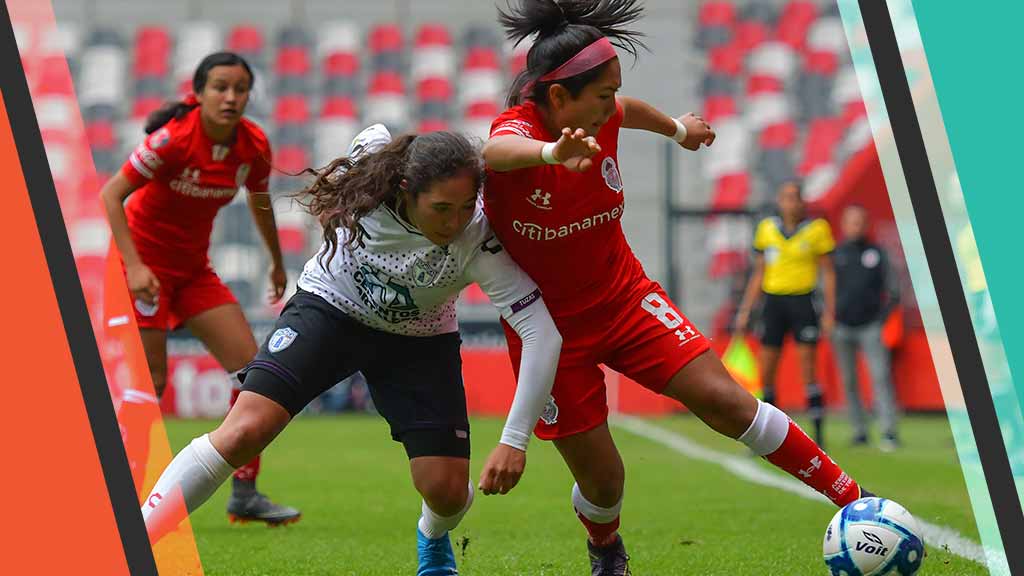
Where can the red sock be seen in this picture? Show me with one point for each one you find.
(805, 461)
(600, 534)
(247, 472)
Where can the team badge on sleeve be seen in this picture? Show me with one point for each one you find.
(550, 414)
(281, 339)
(159, 138)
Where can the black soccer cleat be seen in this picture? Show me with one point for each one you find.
(255, 507)
(610, 560)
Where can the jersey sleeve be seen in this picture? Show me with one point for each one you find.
(504, 282)
(513, 122)
(519, 301)
(823, 241)
(761, 236)
(162, 153)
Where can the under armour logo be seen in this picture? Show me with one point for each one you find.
(686, 334)
(540, 199)
(815, 465)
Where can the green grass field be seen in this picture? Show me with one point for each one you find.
(681, 516)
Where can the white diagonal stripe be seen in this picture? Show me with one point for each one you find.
(937, 536)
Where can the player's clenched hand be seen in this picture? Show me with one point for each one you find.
(503, 470)
(278, 282)
(142, 283)
(698, 132)
(574, 149)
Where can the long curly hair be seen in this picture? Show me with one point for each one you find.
(348, 189)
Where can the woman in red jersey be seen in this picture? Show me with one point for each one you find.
(199, 152)
(554, 197)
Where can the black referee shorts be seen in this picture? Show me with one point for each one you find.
(784, 314)
(415, 382)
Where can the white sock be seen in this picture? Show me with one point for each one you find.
(768, 430)
(434, 526)
(591, 511)
(198, 470)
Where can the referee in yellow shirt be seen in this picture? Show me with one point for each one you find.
(789, 252)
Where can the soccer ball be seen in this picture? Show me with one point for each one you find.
(871, 537)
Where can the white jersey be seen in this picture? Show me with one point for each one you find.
(398, 281)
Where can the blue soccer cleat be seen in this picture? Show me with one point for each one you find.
(436, 556)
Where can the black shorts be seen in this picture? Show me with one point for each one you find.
(415, 382)
(783, 314)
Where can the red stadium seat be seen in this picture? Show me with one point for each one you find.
(750, 33)
(763, 83)
(291, 159)
(779, 135)
(143, 107)
(794, 22)
(341, 64)
(338, 107)
(386, 82)
(150, 64)
(292, 61)
(434, 89)
(822, 136)
(717, 13)
(727, 59)
(853, 111)
(484, 109)
(153, 39)
(821, 62)
(291, 110)
(481, 58)
(386, 38)
(716, 107)
(101, 135)
(432, 125)
(517, 63)
(246, 39)
(432, 34)
(731, 191)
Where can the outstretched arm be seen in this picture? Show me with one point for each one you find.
(573, 149)
(640, 115)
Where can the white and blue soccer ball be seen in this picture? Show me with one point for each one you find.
(871, 537)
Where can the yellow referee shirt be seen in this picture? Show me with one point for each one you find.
(791, 262)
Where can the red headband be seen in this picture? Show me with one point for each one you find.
(190, 100)
(597, 53)
(590, 57)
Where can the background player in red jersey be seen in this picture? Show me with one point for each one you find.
(199, 152)
(554, 197)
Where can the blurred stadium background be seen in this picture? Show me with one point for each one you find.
(773, 77)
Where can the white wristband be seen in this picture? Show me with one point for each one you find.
(547, 153)
(680, 134)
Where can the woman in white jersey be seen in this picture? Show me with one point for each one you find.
(403, 234)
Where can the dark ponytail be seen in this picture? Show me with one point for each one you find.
(178, 108)
(346, 190)
(562, 29)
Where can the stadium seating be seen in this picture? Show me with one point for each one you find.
(777, 86)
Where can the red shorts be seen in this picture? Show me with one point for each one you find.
(642, 336)
(182, 297)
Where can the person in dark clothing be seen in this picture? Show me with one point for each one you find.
(866, 292)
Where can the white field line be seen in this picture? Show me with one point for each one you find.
(748, 469)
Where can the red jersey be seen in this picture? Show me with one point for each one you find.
(563, 228)
(185, 179)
